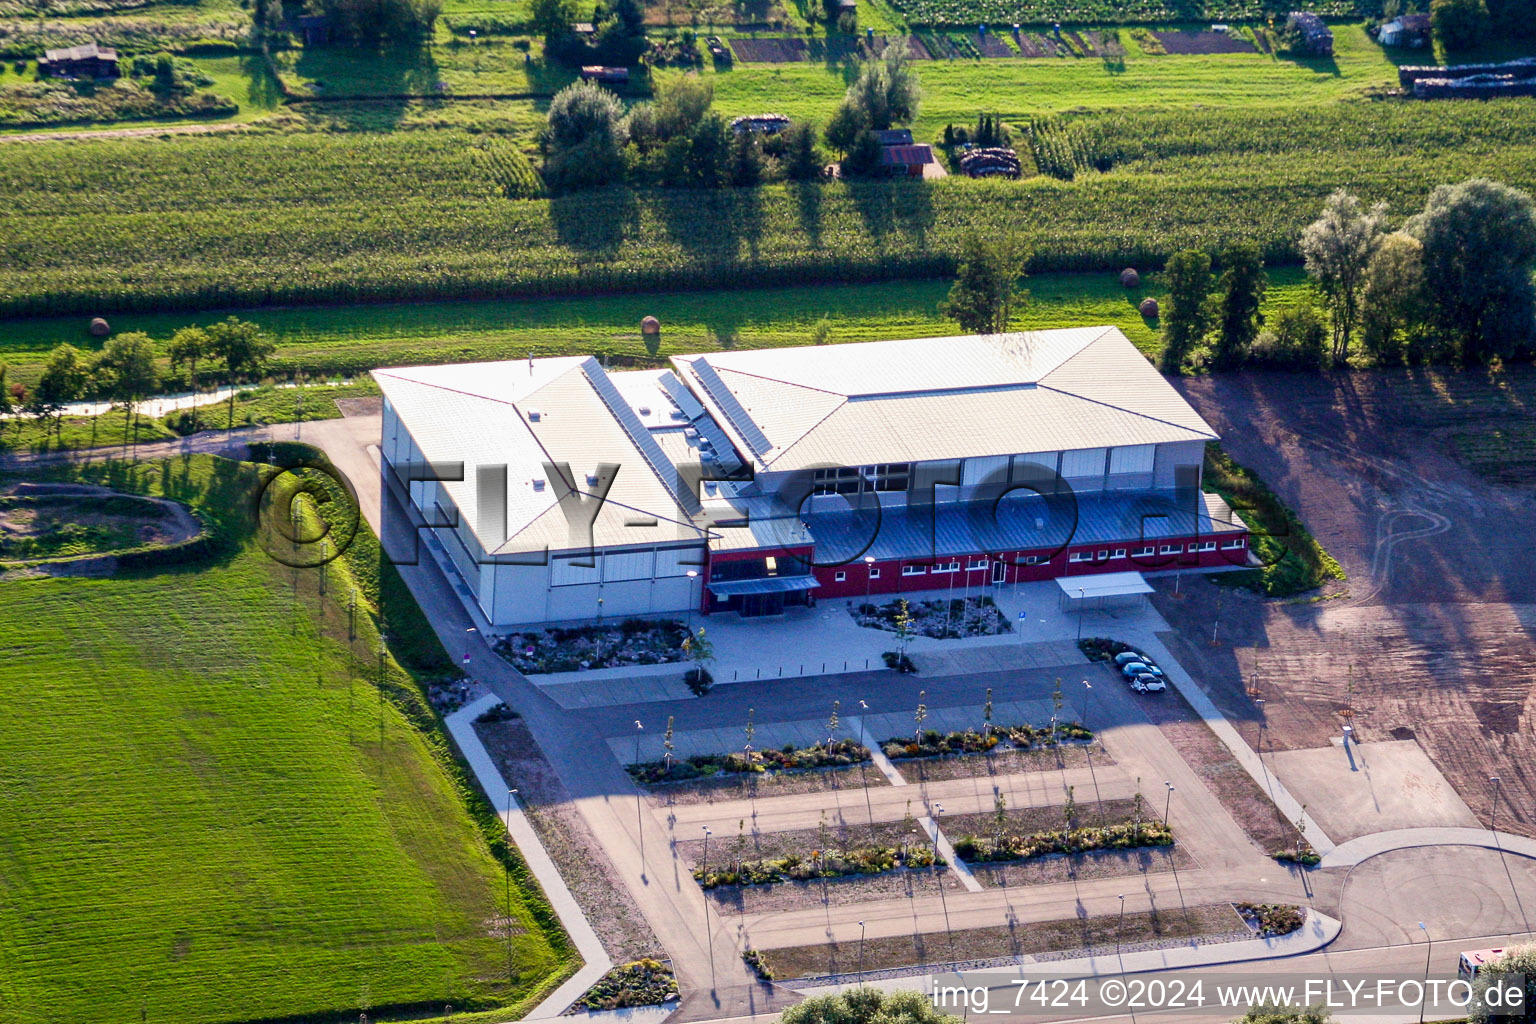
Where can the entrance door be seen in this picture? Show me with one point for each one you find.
(999, 572)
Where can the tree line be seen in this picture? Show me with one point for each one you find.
(1452, 284)
(676, 140)
(126, 370)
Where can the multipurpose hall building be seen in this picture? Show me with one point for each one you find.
(751, 481)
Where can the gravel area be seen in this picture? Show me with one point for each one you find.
(571, 844)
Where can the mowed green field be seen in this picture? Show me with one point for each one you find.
(212, 816)
(352, 339)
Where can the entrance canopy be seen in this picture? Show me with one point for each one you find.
(1109, 584)
(764, 585)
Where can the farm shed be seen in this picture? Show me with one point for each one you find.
(605, 75)
(85, 61)
(894, 137)
(1316, 36)
(1408, 30)
(906, 161)
(741, 481)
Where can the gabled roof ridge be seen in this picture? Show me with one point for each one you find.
(1131, 412)
(389, 372)
(785, 450)
(1104, 332)
(776, 380)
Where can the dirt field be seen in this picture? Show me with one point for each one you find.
(1421, 484)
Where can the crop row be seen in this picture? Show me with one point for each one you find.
(1098, 12)
(113, 224)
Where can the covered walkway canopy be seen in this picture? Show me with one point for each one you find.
(1076, 591)
(763, 585)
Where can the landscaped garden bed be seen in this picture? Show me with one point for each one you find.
(631, 642)
(932, 743)
(941, 620)
(1102, 648)
(1271, 919)
(1120, 836)
(641, 983)
(838, 754)
(793, 867)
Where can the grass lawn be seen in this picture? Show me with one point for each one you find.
(351, 339)
(213, 815)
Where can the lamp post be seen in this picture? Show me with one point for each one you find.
(1080, 592)
(1493, 815)
(1087, 692)
(1167, 802)
(704, 893)
(639, 817)
(869, 579)
(1259, 703)
(469, 639)
(1428, 952)
(693, 574)
(938, 810)
(861, 947)
(864, 765)
(707, 834)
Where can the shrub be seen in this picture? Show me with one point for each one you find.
(866, 860)
(1270, 919)
(900, 662)
(1126, 835)
(499, 712)
(933, 743)
(640, 983)
(838, 754)
(759, 964)
(699, 681)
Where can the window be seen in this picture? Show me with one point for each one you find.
(1232, 544)
(946, 567)
(1142, 552)
(1034, 559)
(839, 577)
(1134, 459)
(891, 476)
(839, 480)
(1078, 556)
(1101, 556)
(980, 563)
(874, 573)
(1119, 552)
(1085, 463)
(1207, 545)
(1169, 549)
(912, 570)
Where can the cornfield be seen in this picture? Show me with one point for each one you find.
(1099, 12)
(214, 221)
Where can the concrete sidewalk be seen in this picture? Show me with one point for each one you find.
(1364, 848)
(461, 726)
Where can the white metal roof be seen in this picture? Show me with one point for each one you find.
(1104, 584)
(939, 398)
(522, 414)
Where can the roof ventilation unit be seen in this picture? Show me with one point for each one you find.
(534, 415)
(538, 485)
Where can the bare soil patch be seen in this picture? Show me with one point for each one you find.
(571, 844)
(60, 521)
(1219, 921)
(1001, 763)
(1420, 482)
(765, 785)
(1202, 42)
(1083, 866)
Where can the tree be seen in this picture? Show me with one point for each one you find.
(747, 165)
(709, 153)
(1296, 338)
(867, 1006)
(629, 14)
(1237, 306)
(986, 287)
(188, 347)
(1392, 300)
(801, 160)
(886, 91)
(863, 159)
(63, 381)
(1186, 315)
(699, 649)
(128, 364)
(1509, 968)
(373, 21)
(847, 124)
(1459, 24)
(1479, 241)
(1337, 248)
(552, 20)
(240, 346)
(586, 128)
(681, 104)
(5, 391)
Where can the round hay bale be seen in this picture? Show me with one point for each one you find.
(650, 325)
(1148, 308)
(100, 328)
(1129, 278)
